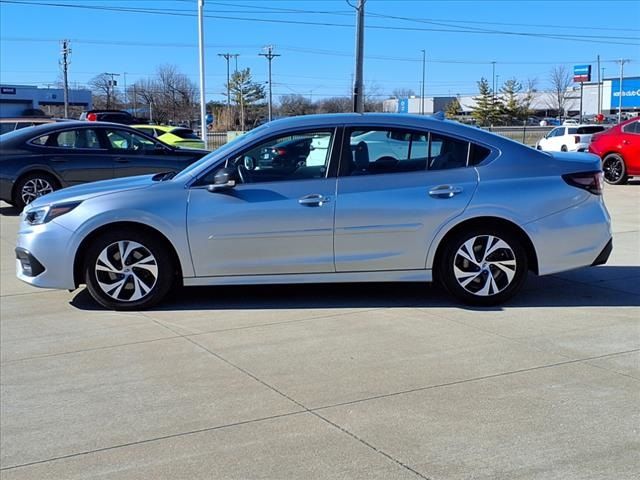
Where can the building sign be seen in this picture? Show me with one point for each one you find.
(403, 105)
(630, 93)
(582, 73)
(7, 90)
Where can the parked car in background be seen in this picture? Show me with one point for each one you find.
(467, 208)
(571, 121)
(41, 159)
(10, 124)
(548, 121)
(182, 137)
(619, 149)
(114, 116)
(569, 138)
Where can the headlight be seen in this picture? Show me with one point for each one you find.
(40, 215)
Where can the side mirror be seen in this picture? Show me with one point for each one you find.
(224, 179)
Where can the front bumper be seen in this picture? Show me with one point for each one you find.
(44, 256)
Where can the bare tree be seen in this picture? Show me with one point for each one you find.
(104, 95)
(403, 93)
(335, 105)
(560, 79)
(291, 105)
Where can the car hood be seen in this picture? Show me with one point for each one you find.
(94, 189)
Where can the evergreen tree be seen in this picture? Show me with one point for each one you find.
(485, 111)
(511, 107)
(453, 108)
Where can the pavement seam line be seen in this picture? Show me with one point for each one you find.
(475, 379)
(155, 439)
(301, 405)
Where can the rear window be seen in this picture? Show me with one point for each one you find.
(185, 133)
(590, 129)
(633, 127)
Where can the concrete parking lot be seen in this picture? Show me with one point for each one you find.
(344, 381)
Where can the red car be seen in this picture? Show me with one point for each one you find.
(619, 149)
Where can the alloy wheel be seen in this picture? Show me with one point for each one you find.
(613, 169)
(126, 271)
(484, 265)
(34, 188)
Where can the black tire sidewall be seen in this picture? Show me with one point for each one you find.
(17, 197)
(623, 178)
(166, 269)
(447, 277)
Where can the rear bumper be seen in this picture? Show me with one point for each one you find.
(576, 237)
(604, 254)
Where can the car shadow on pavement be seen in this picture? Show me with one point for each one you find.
(538, 292)
(9, 211)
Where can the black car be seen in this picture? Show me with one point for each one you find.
(285, 154)
(37, 160)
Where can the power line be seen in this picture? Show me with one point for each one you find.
(469, 30)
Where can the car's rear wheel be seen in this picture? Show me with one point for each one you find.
(483, 267)
(32, 186)
(615, 171)
(128, 270)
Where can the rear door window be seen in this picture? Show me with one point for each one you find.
(589, 130)
(633, 127)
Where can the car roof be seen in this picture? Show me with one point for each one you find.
(43, 129)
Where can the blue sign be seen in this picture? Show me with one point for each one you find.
(630, 93)
(403, 105)
(582, 73)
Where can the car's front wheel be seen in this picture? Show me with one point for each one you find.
(483, 267)
(615, 171)
(128, 270)
(32, 186)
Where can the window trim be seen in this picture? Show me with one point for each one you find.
(332, 167)
(69, 149)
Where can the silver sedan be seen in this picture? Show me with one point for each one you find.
(327, 198)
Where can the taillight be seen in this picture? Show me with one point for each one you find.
(590, 181)
(92, 117)
(577, 138)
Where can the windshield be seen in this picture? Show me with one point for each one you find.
(220, 151)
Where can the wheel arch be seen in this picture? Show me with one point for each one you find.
(493, 222)
(31, 170)
(79, 259)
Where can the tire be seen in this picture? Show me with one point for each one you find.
(126, 286)
(467, 273)
(32, 186)
(564, 148)
(615, 170)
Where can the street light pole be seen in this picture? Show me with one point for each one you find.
(622, 62)
(424, 61)
(203, 102)
(227, 57)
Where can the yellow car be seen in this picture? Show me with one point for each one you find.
(175, 136)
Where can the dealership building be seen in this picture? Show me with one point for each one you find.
(15, 99)
(607, 93)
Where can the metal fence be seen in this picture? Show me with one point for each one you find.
(528, 135)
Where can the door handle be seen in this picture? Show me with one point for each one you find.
(122, 160)
(314, 200)
(445, 191)
(58, 159)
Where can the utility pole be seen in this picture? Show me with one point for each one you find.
(227, 57)
(203, 102)
(358, 94)
(126, 96)
(112, 87)
(66, 52)
(602, 99)
(270, 56)
(621, 62)
(424, 61)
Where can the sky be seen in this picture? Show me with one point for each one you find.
(316, 40)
